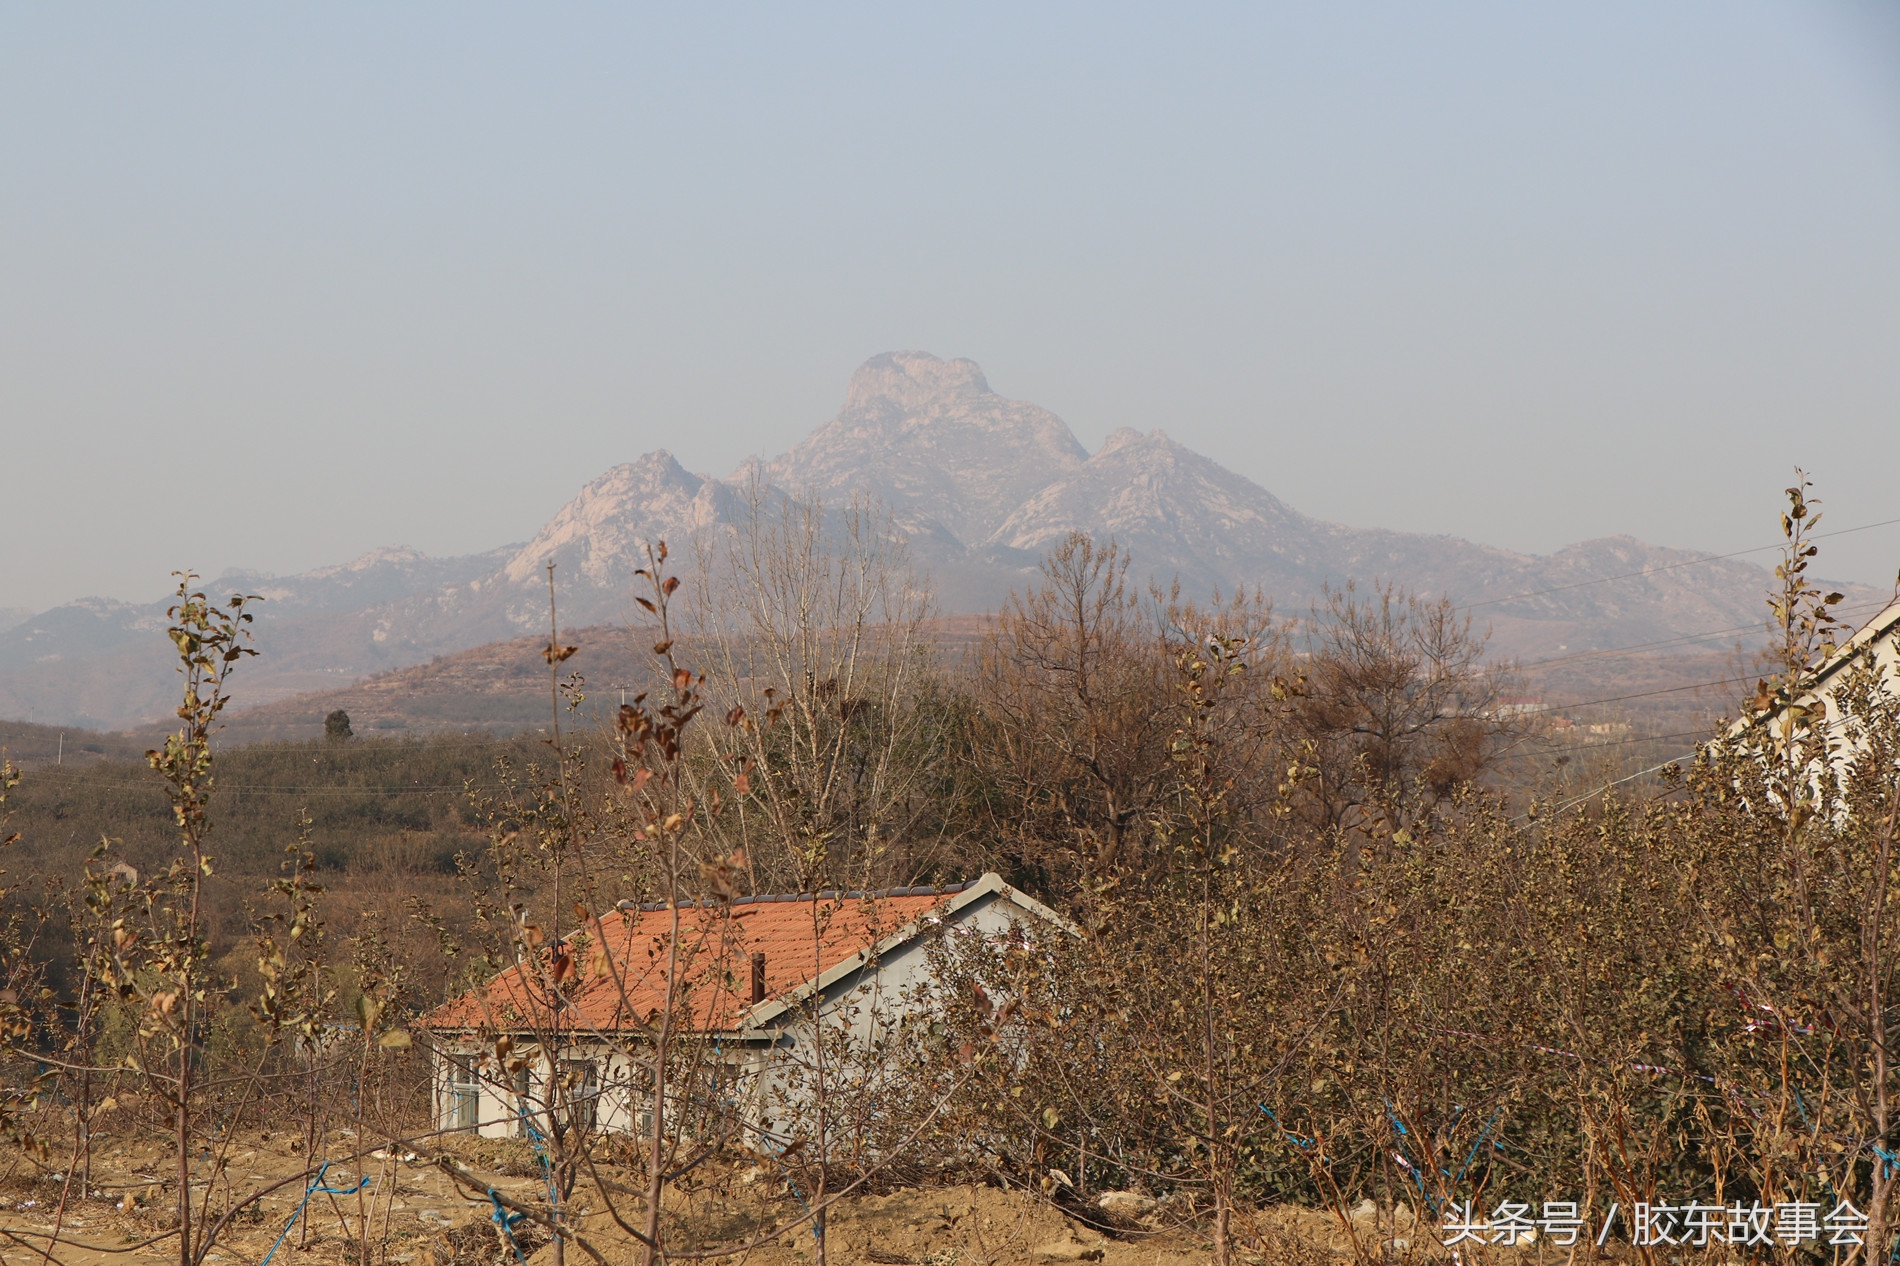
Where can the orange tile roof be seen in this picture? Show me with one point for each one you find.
(611, 975)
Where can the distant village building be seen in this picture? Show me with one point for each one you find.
(755, 973)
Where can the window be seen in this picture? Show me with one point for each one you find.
(639, 1092)
(581, 1081)
(523, 1108)
(464, 1098)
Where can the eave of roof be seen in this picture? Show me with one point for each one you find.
(1884, 622)
(497, 1003)
(990, 883)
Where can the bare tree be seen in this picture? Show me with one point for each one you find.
(818, 630)
(1074, 689)
(1398, 705)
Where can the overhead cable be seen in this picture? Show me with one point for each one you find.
(1651, 571)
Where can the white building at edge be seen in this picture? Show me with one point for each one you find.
(1876, 644)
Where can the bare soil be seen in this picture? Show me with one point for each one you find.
(419, 1217)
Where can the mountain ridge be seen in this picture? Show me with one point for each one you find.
(981, 485)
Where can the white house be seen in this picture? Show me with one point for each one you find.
(753, 974)
(1875, 644)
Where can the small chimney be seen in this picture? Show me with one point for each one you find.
(758, 976)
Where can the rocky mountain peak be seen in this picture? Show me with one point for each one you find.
(911, 381)
(654, 472)
(1125, 436)
(931, 440)
(381, 556)
(615, 515)
(658, 476)
(1162, 500)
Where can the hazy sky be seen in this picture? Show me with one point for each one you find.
(282, 283)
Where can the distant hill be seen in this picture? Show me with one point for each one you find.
(503, 687)
(982, 485)
(106, 664)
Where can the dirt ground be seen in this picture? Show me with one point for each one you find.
(419, 1217)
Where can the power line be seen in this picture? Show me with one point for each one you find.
(1571, 804)
(1666, 690)
(1638, 646)
(1641, 738)
(1651, 571)
(342, 791)
(399, 749)
(255, 790)
(398, 746)
(1854, 613)
(1644, 694)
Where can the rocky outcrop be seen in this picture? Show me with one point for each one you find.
(599, 533)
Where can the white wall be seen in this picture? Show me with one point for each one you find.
(876, 1001)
